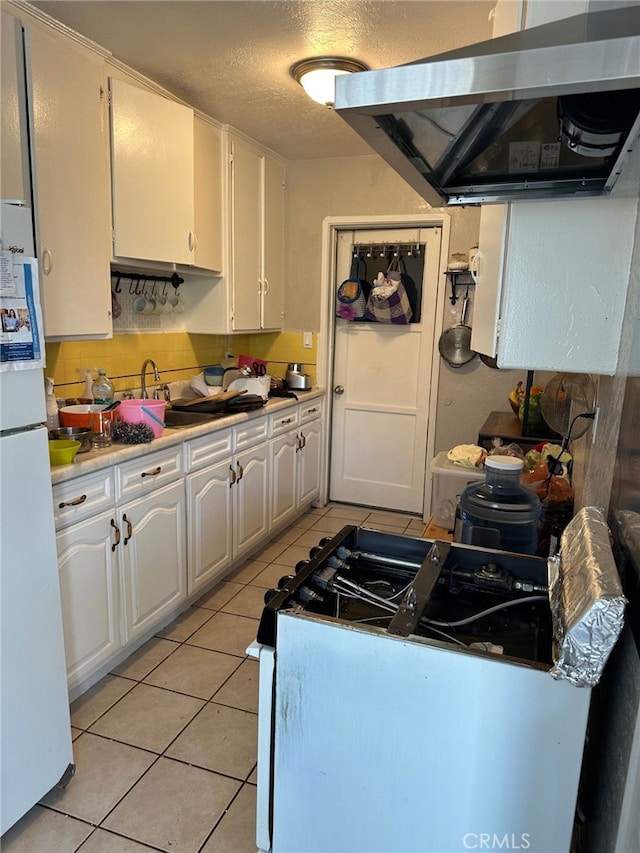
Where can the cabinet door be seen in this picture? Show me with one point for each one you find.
(246, 223)
(207, 195)
(309, 457)
(209, 507)
(250, 499)
(273, 246)
(90, 593)
(154, 557)
(14, 164)
(71, 185)
(494, 219)
(284, 451)
(152, 173)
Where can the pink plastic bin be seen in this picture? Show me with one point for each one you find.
(149, 412)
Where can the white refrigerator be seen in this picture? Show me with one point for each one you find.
(36, 752)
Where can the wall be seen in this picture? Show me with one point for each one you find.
(360, 186)
(178, 356)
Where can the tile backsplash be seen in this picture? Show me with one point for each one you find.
(178, 355)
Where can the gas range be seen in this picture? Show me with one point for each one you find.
(487, 601)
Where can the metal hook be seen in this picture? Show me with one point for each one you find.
(117, 285)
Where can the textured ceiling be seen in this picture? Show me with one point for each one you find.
(231, 58)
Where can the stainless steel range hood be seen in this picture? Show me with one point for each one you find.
(549, 112)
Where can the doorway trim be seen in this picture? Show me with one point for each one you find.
(330, 227)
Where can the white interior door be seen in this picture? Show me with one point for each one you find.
(381, 390)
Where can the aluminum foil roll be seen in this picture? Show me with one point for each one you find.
(587, 604)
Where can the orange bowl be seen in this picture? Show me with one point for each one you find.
(79, 415)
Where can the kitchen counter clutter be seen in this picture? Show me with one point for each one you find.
(96, 459)
(143, 530)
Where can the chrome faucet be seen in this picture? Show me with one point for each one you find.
(148, 362)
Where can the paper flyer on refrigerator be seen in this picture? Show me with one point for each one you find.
(21, 339)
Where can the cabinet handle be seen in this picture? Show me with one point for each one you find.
(259, 285)
(311, 411)
(266, 286)
(287, 421)
(74, 502)
(298, 445)
(193, 241)
(303, 439)
(233, 477)
(117, 530)
(47, 261)
(153, 473)
(129, 529)
(240, 471)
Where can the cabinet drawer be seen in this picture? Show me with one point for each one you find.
(208, 449)
(78, 499)
(143, 475)
(310, 411)
(283, 421)
(250, 432)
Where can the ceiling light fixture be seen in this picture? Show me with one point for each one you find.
(317, 76)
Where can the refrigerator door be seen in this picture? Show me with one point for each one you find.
(22, 399)
(35, 727)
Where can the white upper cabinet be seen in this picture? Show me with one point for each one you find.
(71, 184)
(552, 276)
(14, 163)
(152, 163)
(207, 195)
(256, 206)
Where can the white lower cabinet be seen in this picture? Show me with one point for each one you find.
(138, 539)
(309, 462)
(295, 461)
(121, 557)
(88, 563)
(227, 498)
(250, 498)
(154, 558)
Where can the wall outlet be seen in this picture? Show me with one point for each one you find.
(307, 340)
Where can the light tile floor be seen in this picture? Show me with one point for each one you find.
(165, 745)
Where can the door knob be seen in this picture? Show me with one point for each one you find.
(339, 389)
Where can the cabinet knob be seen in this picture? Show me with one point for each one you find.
(339, 389)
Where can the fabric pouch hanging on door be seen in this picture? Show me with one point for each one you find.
(388, 301)
(351, 300)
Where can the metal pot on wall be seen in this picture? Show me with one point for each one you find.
(455, 342)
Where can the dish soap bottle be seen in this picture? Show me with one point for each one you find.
(53, 417)
(102, 388)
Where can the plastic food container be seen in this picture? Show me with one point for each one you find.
(79, 415)
(448, 483)
(149, 412)
(62, 451)
(213, 375)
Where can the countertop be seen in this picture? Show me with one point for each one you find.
(96, 459)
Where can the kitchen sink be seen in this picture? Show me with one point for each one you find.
(174, 419)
